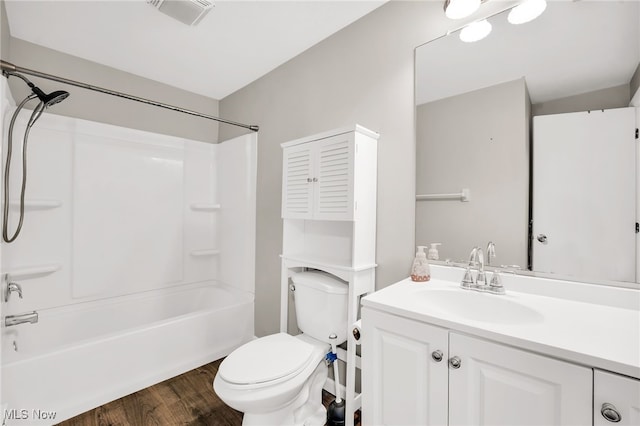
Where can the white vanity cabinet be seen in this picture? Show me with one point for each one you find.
(616, 399)
(324, 177)
(494, 384)
(418, 374)
(404, 373)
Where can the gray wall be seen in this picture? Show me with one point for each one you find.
(363, 74)
(634, 85)
(95, 106)
(612, 97)
(478, 140)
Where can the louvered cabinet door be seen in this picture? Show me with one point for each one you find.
(333, 180)
(297, 182)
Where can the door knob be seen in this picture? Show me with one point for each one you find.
(542, 238)
(437, 355)
(610, 413)
(455, 362)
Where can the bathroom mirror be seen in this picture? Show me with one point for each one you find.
(475, 109)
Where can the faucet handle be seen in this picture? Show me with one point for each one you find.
(496, 286)
(467, 280)
(11, 287)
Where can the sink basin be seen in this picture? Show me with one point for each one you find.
(478, 306)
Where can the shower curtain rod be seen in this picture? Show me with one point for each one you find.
(11, 68)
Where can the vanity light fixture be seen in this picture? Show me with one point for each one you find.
(475, 31)
(458, 9)
(526, 11)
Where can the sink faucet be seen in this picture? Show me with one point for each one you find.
(481, 279)
(491, 252)
(476, 259)
(11, 320)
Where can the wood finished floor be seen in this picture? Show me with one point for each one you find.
(187, 399)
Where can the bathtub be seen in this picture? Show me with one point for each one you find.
(81, 356)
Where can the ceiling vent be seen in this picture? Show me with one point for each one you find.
(188, 12)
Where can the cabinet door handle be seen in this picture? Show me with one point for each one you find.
(610, 413)
(437, 355)
(315, 179)
(455, 362)
(309, 180)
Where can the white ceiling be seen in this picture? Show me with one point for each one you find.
(572, 48)
(235, 44)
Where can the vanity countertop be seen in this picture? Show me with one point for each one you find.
(590, 330)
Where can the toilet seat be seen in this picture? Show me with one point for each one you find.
(267, 361)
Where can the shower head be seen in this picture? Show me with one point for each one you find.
(51, 98)
(47, 99)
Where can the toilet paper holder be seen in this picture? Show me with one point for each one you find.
(357, 333)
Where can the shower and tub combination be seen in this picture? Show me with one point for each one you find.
(132, 259)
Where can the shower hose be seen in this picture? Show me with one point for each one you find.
(5, 218)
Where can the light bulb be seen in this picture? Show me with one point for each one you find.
(527, 11)
(475, 31)
(458, 9)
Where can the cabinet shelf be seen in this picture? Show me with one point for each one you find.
(317, 262)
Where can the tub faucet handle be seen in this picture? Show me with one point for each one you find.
(11, 287)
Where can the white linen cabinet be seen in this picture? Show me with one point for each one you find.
(329, 185)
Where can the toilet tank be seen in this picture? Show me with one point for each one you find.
(321, 305)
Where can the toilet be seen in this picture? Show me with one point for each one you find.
(278, 379)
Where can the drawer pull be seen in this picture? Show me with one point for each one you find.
(455, 362)
(610, 413)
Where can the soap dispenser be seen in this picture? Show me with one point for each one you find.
(433, 251)
(420, 270)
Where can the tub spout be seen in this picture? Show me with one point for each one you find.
(31, 317)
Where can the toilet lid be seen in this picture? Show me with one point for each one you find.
(266, 359)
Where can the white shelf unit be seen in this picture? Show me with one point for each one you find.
(329, 212)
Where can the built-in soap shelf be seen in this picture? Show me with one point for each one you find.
(37, 204)
(32, 271)
(206, 252)
(205, 207)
